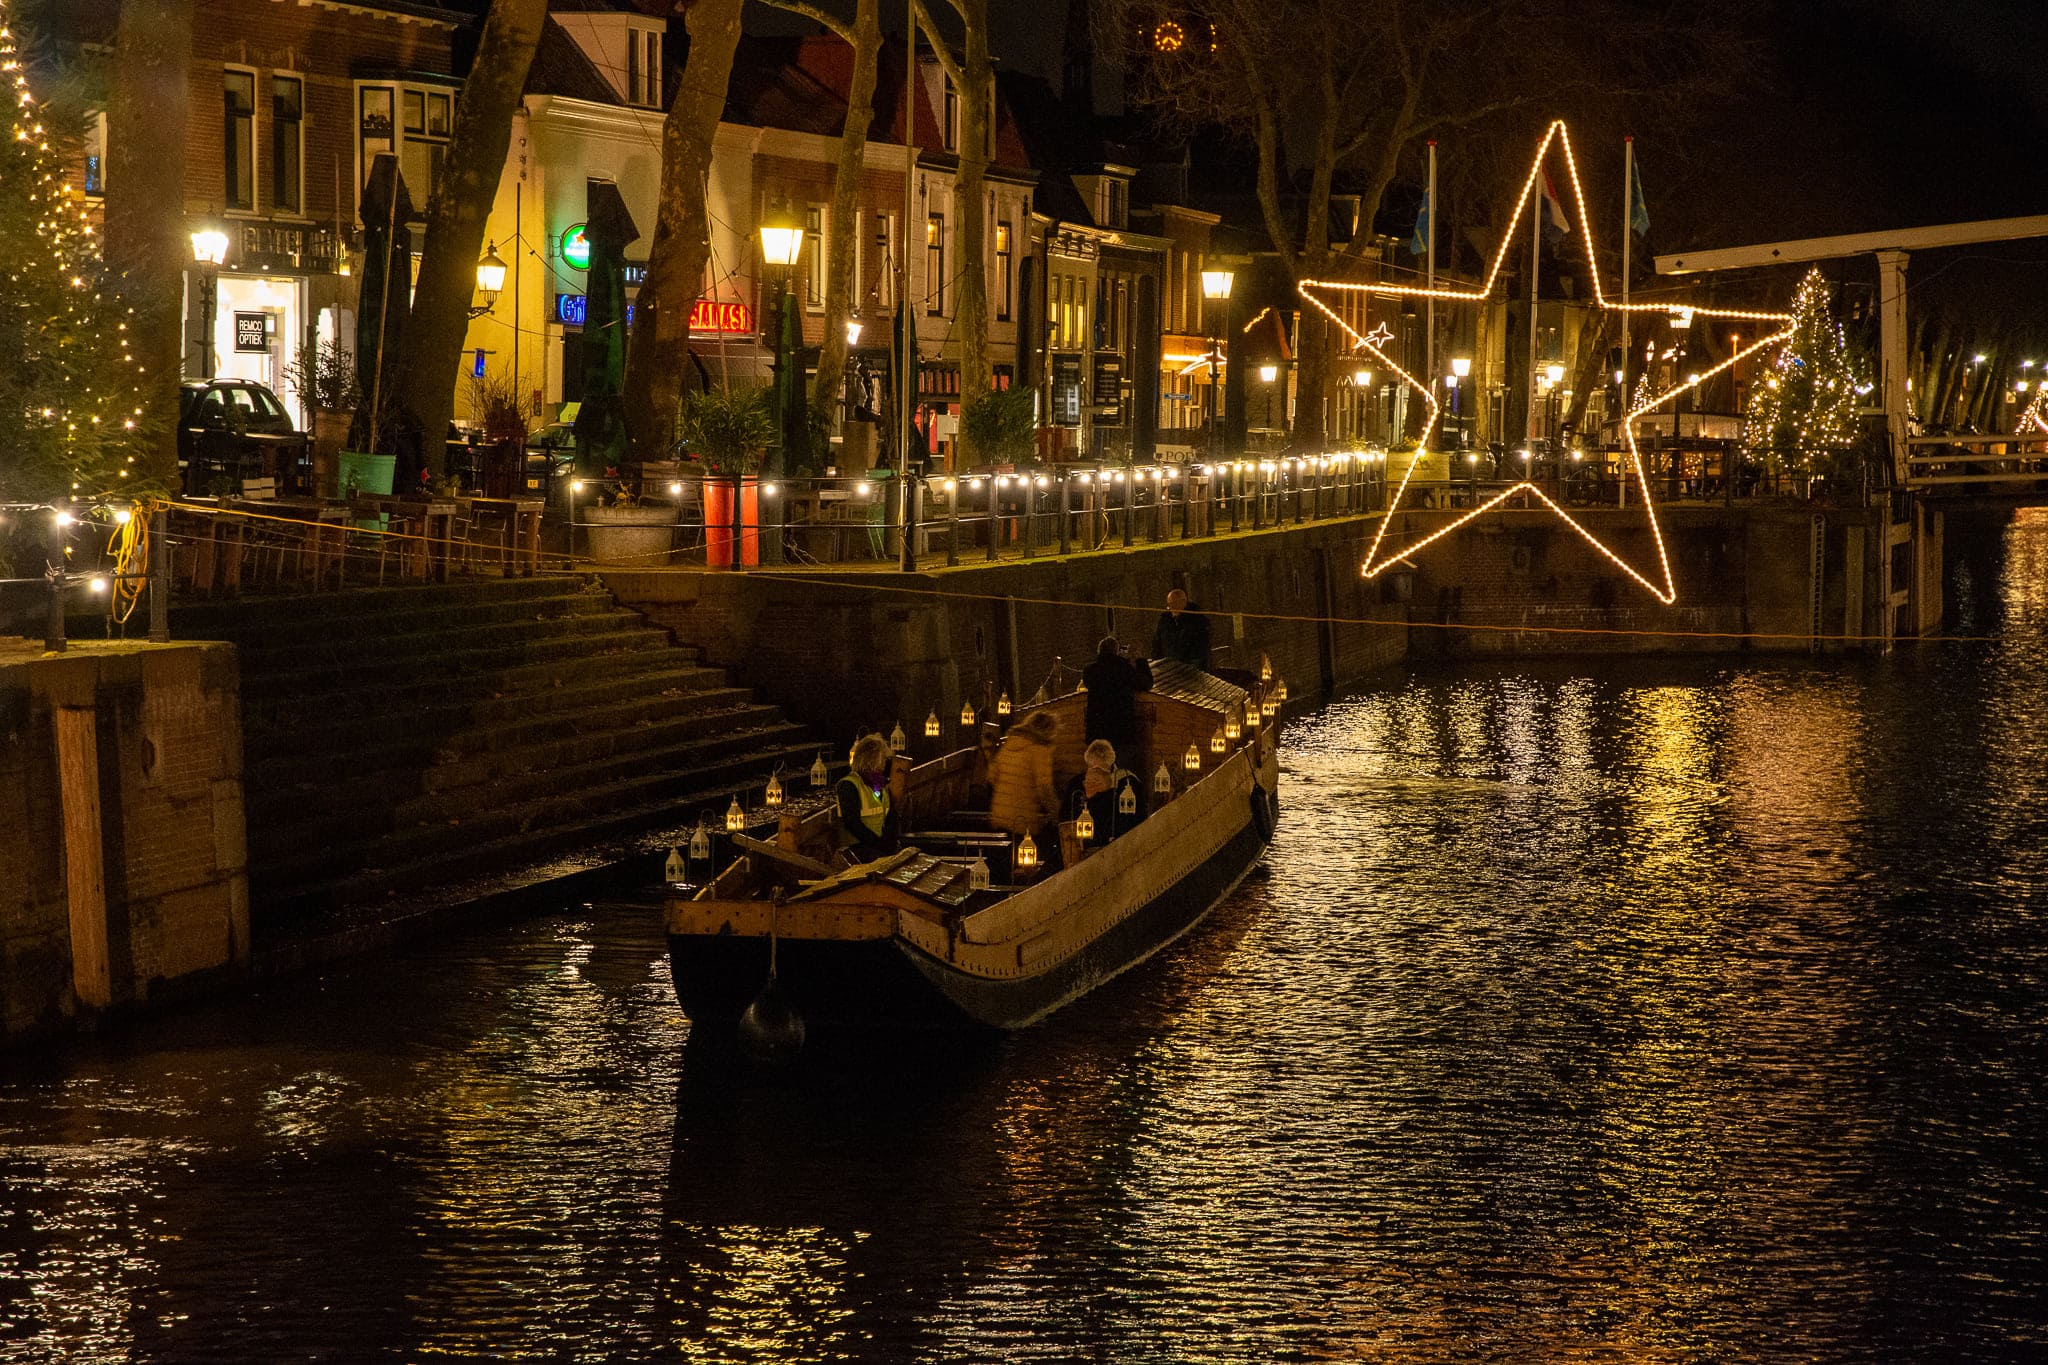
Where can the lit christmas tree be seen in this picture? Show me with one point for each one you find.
(69, 402)
(2034, 421)
(1802, 417)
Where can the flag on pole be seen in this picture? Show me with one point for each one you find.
(1555, 224)
(1418, 245)
(1638, 211)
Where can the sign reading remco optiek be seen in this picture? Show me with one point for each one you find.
(252, 331)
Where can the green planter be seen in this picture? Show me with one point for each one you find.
(370, 474)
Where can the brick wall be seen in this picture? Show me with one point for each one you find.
(166, 730)
(324, 46)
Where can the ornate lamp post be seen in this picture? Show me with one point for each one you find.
(782, 243)
(490, 281)
(210, 253)
(1215, 290)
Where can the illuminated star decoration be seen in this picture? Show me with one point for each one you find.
(1375, 564)
(2036, 415)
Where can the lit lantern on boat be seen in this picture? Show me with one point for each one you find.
(1003, 705)
(819, 773)
(772, 796)
(1251, 716)
(1217, 743)
(1192, 759)
(967, 713)
(1280, 691)
(1084, 828)
(1127, 798)
(700, 842)
(675, 871)
(1162, 782)
(897, 743)
(931, 724)
(735, 818)
(1269, 707)
(1265, 669)
(1231, 729)
(1081, 686)
(1027, 854)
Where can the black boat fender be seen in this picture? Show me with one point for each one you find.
(770, 1028)
(1265, 812)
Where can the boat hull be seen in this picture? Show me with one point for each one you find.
(892, 983)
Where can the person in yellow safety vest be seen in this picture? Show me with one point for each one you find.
(867, 819)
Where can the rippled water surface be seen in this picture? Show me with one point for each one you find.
(1652, 1011)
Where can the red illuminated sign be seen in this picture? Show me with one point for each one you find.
(707, 315)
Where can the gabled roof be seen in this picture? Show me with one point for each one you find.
(803, 84)
(561, 67)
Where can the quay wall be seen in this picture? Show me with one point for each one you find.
(869, 649)
(122, 847)
(841, 650)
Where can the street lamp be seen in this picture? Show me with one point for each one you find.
(490, 280)
(782, 242)
(209, 252)
(1215, 290)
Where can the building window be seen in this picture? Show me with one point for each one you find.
(96, 154)
(950, 129)
(1005, 272)
(935, 264)
(885, 256)
(287, 148)
(1119, 203)
(238, 139)
(814, 258)
(411, 122)
(643, 69)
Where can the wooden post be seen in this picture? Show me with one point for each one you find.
(78, 783)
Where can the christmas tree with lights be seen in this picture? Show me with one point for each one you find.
(70, 404)
(1802, 417)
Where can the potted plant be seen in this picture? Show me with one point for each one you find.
(620, 529)
(505, 416)
(728, 431)
(325, 377)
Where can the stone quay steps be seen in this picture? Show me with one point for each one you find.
(399, 742)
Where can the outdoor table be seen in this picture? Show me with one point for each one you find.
(424, 531)
(519, 539)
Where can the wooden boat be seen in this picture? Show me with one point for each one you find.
(909, 941)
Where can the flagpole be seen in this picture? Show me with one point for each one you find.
(1628, 206)
(1536, 210)
(1429, 326)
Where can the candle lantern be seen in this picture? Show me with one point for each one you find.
(1003, 705)
(897, 742)
(1265, 669)
(772, 797)
(1027, 854)
(700, 842)
(1217, 743)
(967, 713)
(1127, 799)
(819, 773)
(735, 818)
(1192, 759)
(1231, 729)
(1084, 828)
(931, 724)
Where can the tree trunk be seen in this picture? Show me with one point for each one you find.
(457, 208)
(146, 245)
(659, 346)
(840, 284)
(977, 119)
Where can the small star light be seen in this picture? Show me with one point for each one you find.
(1313, 290)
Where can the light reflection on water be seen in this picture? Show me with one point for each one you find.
(1614, 1011)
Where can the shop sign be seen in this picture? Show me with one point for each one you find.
(252, 332)
(576, 247)
(725, 319)
(1109, 381)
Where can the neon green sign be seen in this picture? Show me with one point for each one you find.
(576, 247)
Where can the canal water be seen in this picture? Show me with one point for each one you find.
(1592, 1011)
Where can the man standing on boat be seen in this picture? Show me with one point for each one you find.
(1113, 684)
(1182, 632)
(867, 817)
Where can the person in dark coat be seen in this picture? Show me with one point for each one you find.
(1182, 632)
(1113, 684)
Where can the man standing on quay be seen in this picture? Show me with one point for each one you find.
(1182, 632)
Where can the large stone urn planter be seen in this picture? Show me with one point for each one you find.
(640, 536)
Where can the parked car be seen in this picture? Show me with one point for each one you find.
(237, 430)
(550, 457)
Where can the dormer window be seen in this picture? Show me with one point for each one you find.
(643, 68)
(951, 121)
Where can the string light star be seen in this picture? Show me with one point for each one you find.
(1377, 563)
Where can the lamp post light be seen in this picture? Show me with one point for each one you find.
(490, 280)
(1215, 290)
(782, 243)
(210, 253)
